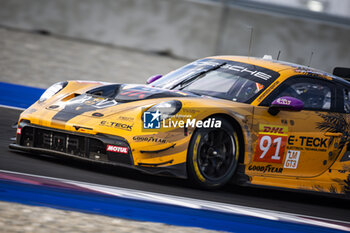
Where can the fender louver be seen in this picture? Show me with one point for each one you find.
(342, 72)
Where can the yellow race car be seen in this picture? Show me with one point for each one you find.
(252, 121)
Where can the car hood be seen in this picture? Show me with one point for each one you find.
(108, 99)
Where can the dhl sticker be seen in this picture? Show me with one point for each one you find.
(273, 129)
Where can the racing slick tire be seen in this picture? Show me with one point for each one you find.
(213, 155)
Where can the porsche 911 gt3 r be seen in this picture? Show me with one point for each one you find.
(248, 120)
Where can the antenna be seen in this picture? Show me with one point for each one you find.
(251, 39)
(312, 53)
(278, 56)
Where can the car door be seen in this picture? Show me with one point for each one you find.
(296, 143)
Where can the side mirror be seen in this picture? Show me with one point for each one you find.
(153, 78)
(285, 103)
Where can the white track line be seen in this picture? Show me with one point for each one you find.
(11, 107)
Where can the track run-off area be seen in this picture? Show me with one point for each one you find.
(119, 192)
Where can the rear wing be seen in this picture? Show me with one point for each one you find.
(342, 72)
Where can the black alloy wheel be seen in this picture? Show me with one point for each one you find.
(213, 155)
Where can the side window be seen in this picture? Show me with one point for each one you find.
(346, 95)
(316, 94)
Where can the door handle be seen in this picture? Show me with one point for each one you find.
(329, 134)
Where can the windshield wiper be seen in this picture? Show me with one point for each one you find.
(195, 76)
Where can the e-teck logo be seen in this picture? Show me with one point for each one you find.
(151, 120)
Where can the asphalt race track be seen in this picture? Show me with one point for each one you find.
(292, 202)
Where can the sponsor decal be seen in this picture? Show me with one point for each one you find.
(273, 129)
(148, 139)
(271, 144)
(118, 125)
(117, 149)
(264, 169)
(268, 90)
(242, 69)
(307, 143)
(190, 111)
(292, 159)
(125, 118)
(284, 101)
(19, 130)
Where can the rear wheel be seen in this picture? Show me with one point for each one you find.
(213, 155)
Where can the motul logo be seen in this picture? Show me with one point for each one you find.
(117, 149)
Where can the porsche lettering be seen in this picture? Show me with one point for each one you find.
(242, 69)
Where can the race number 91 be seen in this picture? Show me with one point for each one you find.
(270, 148)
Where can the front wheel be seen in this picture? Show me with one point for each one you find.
(212, 156)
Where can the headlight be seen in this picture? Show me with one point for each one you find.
(166, 109)
(51, 91)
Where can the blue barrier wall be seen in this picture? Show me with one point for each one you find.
(18, 95)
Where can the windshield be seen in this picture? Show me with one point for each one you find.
(236, 81)
(193, 69)
(224, 85)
